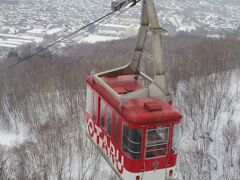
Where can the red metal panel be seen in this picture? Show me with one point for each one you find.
(153, 106)
(137, 113)
(120, 90)
(133, 109)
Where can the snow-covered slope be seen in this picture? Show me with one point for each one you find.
(210, 143)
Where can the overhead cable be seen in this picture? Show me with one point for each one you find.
(91, 32)
(66, 37)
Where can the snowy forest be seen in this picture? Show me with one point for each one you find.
(42, 104)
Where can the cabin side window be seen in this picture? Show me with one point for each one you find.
(132, 142)
(95, 103)
(89, 100)
(176, 136)
(116, 129)
(102, 114)
(157, 141)
(109, 128)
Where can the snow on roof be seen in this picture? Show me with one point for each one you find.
(24, 37)
(116, 26)
(37, 31)
(186, 28)
(108, 32)
(19, 40)
(41, 31)
(7, 35)
(98, 38)
(33, 38)
(8, 45)
(11, 42)
(124, 19)
(54, 31)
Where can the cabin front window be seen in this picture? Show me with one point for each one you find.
(157, 141)
(132, 142)
(89, 99)
(176, 136)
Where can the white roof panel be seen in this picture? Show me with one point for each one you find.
(36, 39)
(8, 45)
(98, 38)
(11, 42)
(7, 35)
(19, 40)
(116, 26)
(36, 31)
(54, 31)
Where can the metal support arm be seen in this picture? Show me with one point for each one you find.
(149, 22)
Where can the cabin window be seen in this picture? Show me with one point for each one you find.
(102, 114)
(116, 129)
(89, 100)
(109, 128)
(176, 136)
(94, 106)
(132, 142)
(157, 141)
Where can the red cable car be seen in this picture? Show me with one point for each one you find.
(133, 125)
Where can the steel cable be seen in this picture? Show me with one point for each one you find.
(66, 37)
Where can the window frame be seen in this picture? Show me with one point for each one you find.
(175, 150)
(116, 127)
(167, 141)
(140, 152)
(102, 114)
(95, 100)
(109, 112)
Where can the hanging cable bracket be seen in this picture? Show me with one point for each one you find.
(117, 5)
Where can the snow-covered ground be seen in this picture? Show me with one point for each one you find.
(206, 149)
(213, 116)
(11, 139)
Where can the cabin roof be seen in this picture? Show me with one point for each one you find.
(123, 84)
(140, 110)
